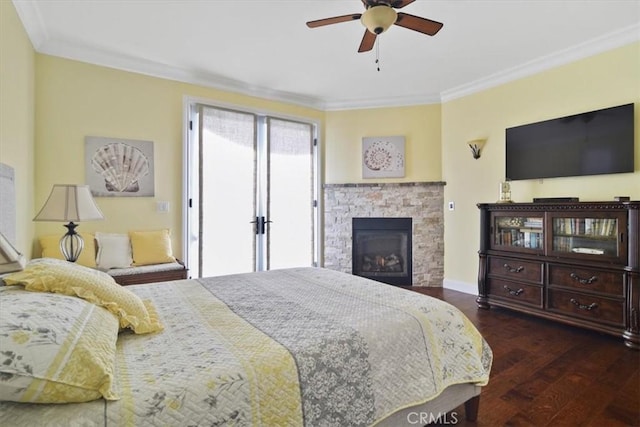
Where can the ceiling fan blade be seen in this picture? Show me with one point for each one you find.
(334, 20)
(368, 40)
(416, 23)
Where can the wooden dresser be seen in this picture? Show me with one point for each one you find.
(577, 263)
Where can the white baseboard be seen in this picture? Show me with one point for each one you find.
(455, 285)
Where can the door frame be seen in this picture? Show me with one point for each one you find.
(190, 137)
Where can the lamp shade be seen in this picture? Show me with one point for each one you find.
(378, 19)
(68, 203)
(10, 258)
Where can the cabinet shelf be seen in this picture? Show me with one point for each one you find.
(576, 263)
(588, 236)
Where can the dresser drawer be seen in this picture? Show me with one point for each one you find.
(516, 292)
(607, 282)
(598, 309)
(513, 269)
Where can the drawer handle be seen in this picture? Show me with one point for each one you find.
(513, 270)
(588, 281)
(582, 306)
(512, 292)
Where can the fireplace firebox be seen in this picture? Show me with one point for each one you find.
(382, 249)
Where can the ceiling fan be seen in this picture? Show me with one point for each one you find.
(378, 17)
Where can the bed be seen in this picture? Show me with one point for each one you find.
(291, 347)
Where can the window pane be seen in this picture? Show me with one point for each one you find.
(227, 192)
(290, 194)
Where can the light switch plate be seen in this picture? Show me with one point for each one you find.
(162, 207)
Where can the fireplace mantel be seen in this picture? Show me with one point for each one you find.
(387, 184)
(421, 201)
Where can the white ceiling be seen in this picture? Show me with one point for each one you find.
(264, 48)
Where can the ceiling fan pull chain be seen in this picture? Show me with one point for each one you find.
(378, 53)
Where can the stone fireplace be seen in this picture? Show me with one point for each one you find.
(381, 249)
(423, 202)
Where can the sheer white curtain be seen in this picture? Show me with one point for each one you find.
(290, 194)
(227, 191)
(256, 192)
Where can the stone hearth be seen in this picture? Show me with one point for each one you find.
(421, 201)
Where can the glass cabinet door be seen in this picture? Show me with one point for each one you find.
(590, 235)
(518, 233)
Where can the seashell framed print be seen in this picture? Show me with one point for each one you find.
(119, 167)
(383, 157)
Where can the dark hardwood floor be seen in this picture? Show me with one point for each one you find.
(548, 374)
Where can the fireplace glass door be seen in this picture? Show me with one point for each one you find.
(382, 249)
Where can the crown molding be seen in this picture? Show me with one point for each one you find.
(32, 21)
(400, 101)
(592, 47)
(75, 51)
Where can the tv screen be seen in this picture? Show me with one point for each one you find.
(593, 143)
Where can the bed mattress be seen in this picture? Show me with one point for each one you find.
(292, 347)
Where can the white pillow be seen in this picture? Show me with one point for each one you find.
(114, 251)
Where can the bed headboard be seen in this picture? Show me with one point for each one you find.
(8, 202)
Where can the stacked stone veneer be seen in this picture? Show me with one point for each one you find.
(422, 201)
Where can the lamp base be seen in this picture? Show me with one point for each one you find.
(71, 244)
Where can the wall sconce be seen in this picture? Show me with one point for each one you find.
(70, 203)
(476, 145)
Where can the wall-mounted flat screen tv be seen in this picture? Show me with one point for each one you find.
(593, 143)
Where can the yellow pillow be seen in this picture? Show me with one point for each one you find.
(56, 348)
(151, 247)
(51, 249)
(52, 275)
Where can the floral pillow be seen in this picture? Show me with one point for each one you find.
(52, 275)
(55, 348)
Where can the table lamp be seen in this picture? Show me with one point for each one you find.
(70, 202)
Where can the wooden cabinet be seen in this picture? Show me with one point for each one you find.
(577, 263)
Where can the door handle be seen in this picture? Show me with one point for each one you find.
(261, 224)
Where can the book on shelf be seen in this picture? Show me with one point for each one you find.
(585, 226)
(592, 251)
(533, 222)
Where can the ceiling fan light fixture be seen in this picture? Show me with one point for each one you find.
(378, 19)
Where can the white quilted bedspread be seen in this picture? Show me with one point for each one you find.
(294, 347)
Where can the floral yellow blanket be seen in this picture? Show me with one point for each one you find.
(293, 347)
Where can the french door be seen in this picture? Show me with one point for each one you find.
(252, 190)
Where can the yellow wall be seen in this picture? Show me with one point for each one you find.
(605, 80)
(17, 98)
(420, 125)
(76, 99)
